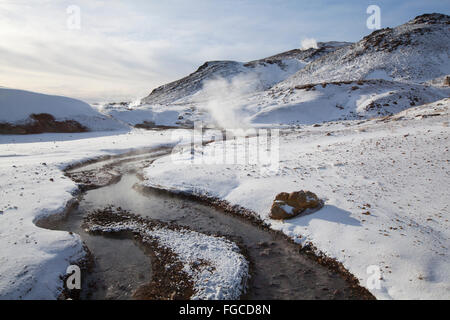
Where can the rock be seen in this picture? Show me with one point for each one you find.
(277, 211)
(447, 81)
(263, 244)
(284, 196)
(290, 205)
(40, 123)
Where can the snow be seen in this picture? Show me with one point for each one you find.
(384, 183)
(338, 101)
(398, 68)
(17, 105)
(171, 106)
(378, 74)
(238, 102)
(286, 208)
(32, 259)
(218, 269)
(227, 270)
(133, 116)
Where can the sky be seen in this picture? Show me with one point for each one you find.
(121, 50)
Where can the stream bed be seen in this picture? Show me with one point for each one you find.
(278, 269)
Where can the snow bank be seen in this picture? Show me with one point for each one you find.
(17, 105)
(385, 189)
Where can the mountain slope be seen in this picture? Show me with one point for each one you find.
(349, 100)
(388, 71)
(266, 72)
(416, 51)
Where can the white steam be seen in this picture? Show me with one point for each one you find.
(309, 43)
(223, 99)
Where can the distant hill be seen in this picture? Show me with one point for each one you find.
(29, 112)
(268, 71)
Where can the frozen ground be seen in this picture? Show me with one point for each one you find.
(385, 184)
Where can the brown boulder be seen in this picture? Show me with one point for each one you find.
(290, 205)
(284, 196)
(278, 211)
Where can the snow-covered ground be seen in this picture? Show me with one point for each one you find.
(33, 186)
(385, 184)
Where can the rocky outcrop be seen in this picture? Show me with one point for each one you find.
(40, 123)
(289, 205)
(447, 81)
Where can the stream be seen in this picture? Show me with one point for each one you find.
(278, 269)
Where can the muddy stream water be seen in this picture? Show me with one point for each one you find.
(279, 270)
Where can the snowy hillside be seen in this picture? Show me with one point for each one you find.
(16, 107)
(386, 72)
(416, 51)
(316, 103)
(266, 72)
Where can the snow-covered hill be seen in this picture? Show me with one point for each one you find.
(266, 72)
(388, 71)
(416, 51)
(16, 107)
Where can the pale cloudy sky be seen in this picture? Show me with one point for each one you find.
(124, 49)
